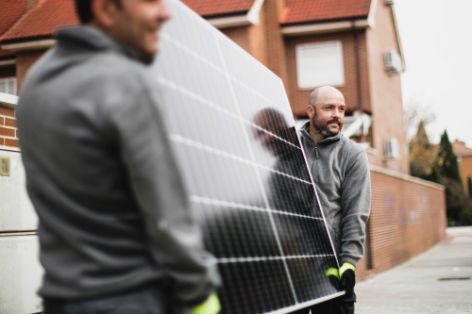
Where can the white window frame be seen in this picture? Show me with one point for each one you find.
(5, 82)
(319, 64)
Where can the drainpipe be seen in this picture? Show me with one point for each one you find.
(357, 58)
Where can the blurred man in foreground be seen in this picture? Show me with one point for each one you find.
(115, 230)
(341, 173)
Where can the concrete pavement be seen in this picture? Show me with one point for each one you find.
(438, 281)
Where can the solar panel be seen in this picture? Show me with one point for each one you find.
(234, 136)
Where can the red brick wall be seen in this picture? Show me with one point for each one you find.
(465, 166)
(257, 39)
(24, 60)
(264, 40)
(385, 91)
(8, 136)
(408, 217)
(8, 131)
(299, 97)
(275, 46)
(240, 35)
(251, 38)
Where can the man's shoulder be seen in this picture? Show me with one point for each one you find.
(115, 77)
(350, 147)
(118, 68)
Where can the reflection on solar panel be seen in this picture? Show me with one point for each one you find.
(233, 133)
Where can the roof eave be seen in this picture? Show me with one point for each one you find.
(245, 18)
(30, 43)
(371, 14)
(229, 21)
(324, 27)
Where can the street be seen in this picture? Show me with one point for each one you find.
(437, 281)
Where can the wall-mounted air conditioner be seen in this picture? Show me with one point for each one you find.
(391, 149)
(392, 61)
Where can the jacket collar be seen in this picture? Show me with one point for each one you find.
(93, 39)
(326, 141)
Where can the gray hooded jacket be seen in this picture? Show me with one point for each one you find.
(341, 173)
(113, 212)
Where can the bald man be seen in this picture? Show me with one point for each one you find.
(341, 173)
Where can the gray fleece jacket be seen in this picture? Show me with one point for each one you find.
(113, 212)
(341, 173)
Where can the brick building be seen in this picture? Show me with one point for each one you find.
(351, 44)
(464, 157)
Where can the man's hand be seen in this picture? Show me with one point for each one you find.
(333, 275)
(210, 306)
(343, 278)
(347, 277)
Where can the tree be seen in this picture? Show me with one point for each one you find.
(447, 170)
(422, 155)
(414, 114)
(446, 160)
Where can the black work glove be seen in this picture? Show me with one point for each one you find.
(332, 273)
(347, 277)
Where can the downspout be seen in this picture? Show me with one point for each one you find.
(357, 57)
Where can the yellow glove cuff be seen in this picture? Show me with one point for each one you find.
(345, 267)
(332, 271)
(210, 306)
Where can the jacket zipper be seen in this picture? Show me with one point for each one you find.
(317, 152)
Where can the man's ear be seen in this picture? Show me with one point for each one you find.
(310, 111)
(104, 12)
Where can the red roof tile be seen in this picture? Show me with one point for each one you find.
(42, 20)
(219, 7)
(47, 15)
(302, 11)
(10, 12)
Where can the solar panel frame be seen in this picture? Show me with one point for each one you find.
(213, 93)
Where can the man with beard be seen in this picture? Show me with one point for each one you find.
(341, 173)
(115, 228)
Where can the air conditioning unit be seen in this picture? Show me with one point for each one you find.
(392, 61)
(388, 2)
(391, 149)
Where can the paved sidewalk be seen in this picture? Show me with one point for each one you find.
(438, 281)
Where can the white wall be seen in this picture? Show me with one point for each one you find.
(20, 271)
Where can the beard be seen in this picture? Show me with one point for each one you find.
(323, 126)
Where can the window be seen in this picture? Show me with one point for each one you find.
(320, 64)
(8, 85)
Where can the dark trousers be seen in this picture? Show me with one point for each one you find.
(340, 305)
(148, 300)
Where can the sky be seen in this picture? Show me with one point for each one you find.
(436, 36)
